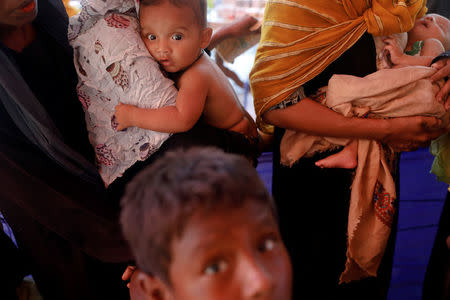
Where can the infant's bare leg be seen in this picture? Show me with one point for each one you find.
(345, 159)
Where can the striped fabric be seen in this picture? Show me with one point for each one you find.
(300, 38)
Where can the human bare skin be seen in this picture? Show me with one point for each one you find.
(16, 29)
(402, 134)
(175, 39)
(443, 67)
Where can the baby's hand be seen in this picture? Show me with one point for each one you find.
(395, 51)
(122, 116)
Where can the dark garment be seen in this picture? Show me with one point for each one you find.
(13, 266)
(441, 7)
(50, 74)
(313, 205)
(200, 135)
(436, 285)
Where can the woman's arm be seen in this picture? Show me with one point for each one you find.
(240, 27)
(313, 118)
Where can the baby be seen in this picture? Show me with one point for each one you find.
(429, 37)
(175, 33)
(202, 225)
(114, 65)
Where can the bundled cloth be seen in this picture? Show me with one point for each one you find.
(386, 93)
(113, 66)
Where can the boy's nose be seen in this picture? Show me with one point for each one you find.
(258, 282)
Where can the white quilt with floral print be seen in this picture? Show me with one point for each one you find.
(114, 66)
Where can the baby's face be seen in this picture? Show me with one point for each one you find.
(172, 35)
(17, 12)
(431, 26)
(231, 254)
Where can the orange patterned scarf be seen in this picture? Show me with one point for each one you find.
(300, 38)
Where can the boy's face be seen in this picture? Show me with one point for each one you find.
(17, 12)
(431, 26)
(233, 254)
(172, 35)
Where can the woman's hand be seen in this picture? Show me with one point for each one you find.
(126, 276)
(136, 292)
(244, 26)
(443, 67)
(411, 133)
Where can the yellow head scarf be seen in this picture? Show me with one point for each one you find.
(300, 38)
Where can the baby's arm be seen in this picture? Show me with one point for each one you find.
(431, 48)
(178, 118)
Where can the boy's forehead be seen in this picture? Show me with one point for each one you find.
(251, 215)
(228, 228)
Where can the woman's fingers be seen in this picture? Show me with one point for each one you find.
(128, 272)
(443, 93)
(411, 133)
(443, 72)
(443, 67)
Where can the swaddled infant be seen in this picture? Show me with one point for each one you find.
(113, 66)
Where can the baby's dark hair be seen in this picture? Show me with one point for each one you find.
(199, 7)
(159, 201)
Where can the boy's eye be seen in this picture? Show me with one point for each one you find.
(177, 37)
(151, 37)
(216, 267)
(267, 244)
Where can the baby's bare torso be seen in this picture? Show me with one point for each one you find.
(222, 107)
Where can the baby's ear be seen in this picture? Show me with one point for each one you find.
(206, 37)
(150, 288)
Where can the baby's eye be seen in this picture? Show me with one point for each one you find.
(216, 267)
(177, 37)
(267, 244)
(151, 37)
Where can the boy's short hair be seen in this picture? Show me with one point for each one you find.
(159, 201)
(199, 7)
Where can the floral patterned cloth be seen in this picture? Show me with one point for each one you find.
(114, 66)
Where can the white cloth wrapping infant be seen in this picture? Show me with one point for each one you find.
(113, 66)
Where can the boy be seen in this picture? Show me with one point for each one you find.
(175, 32)
(202, 225)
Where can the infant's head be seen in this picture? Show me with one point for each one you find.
(431, 26)
(174, 31)
(203, 224)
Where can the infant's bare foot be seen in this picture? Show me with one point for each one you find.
(344, 160)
